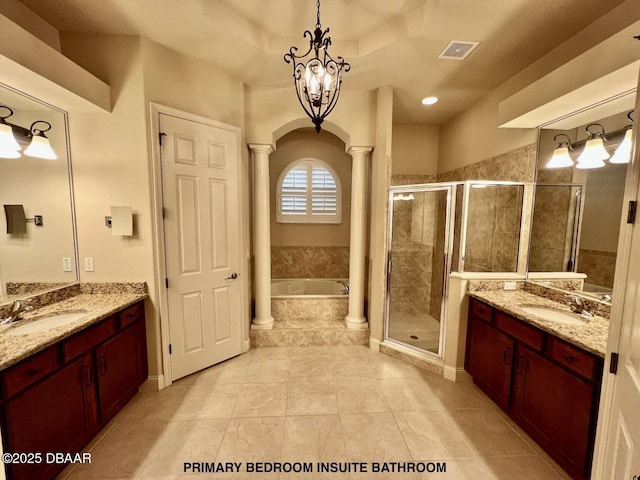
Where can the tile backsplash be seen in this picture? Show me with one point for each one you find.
(309, 262)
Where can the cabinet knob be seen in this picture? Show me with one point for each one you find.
(569, 358)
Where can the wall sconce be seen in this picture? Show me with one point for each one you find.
(623, 152)
(11, 136)
(561, 158)
(595, 151)
(120, 221)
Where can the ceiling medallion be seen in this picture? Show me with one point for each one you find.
(316, 75)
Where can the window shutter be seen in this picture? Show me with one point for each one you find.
(294, 191)
(324, 192)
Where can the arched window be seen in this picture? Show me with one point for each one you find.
(309, 191)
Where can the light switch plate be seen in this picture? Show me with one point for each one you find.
(66, 264)
(509, 285)
(88, 264)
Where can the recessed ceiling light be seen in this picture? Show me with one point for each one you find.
(429, 100)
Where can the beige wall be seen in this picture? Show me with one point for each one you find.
(111, 155)
(330, 149)
(474, 135)
(415, 149)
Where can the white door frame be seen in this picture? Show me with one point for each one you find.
(158, 228)
(632, 186)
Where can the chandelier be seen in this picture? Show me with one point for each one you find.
(316, 75)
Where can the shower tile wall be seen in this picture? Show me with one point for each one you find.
(518, 165)
(412, 250)
(309, 262)
(598, 265)
(552, 230)
(493, 227)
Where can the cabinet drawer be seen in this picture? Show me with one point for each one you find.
(85, 340)
(29, 371)
(574, 359)
(528, 335)
(131, 314)
(481, 310)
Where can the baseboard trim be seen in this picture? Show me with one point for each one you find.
(456, 374)
(153, 383)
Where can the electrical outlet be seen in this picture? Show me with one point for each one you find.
(509, 285)
(88, 264)
(66, 264)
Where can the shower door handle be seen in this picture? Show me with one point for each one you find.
(233, 276)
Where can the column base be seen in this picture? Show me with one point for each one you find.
(356, 323)
(262, 323)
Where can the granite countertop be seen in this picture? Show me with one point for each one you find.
(591, 336)
(97, 306)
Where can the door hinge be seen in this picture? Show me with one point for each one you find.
(170, 352)
(613, 366)
(166, 282)
(160, 135)
(164, 212)
(631, 215)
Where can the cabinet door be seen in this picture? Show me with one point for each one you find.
(556, 408)
(490, 361)
(121, 369)
(57, 415)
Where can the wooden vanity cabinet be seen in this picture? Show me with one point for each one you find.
(96, 373)
(549, 387)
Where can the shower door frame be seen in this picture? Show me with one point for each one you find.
(450, 188)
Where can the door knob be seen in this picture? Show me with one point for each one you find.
(232, 277)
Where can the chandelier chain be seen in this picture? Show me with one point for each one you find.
(318, 14)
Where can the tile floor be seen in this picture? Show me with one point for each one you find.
(310, 404)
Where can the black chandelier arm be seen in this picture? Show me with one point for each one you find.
(601, 133)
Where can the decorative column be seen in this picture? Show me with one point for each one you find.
(357, 243)
(261, 237)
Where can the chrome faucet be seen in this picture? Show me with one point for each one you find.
(577, 306)
(345, 287)
(17, 309)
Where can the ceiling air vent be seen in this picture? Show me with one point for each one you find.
(458, 50)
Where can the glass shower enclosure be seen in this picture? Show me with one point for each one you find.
(436, 229)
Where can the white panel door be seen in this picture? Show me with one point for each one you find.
(200, 166)
(621, 442)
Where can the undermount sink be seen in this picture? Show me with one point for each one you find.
(555, 315)
(45, 322)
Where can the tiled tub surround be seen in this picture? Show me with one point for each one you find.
(311, 319)
(592, 336)
(107, 299)
(309, 262)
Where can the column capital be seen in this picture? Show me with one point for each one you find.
(353, 151)
(261, 147)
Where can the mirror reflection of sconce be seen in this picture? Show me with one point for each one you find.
(17, 221)
(120, 221)
(12, 135)
(594, 153)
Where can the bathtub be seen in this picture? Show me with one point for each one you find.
(309, 300)
(308, 288)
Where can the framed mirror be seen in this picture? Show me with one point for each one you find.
(42, 255)
(581, 172)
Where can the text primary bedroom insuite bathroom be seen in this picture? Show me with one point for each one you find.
(319, 239)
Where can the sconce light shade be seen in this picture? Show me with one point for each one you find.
(623, 152)
(40, 148)
(9, 148)
(560, 158)
(593, 154)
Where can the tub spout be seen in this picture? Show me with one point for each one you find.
(345, 287)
